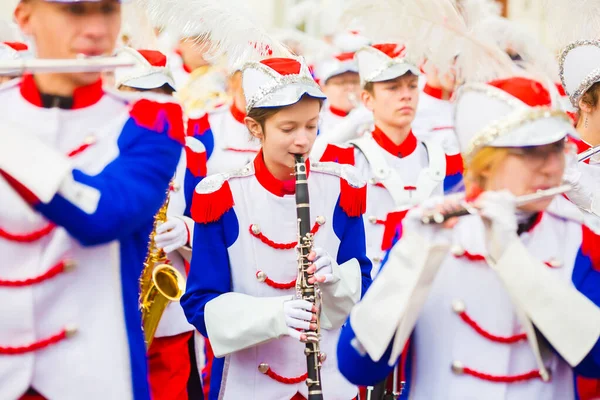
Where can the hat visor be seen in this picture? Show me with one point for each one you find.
(290, 94)
(537, 133)
(148, 82)
(339, 71)
(396, 71)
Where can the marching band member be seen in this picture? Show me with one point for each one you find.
(240, 291)
(201, 84)
(581, 80)
(171, 355)
(402, 171)
(433, 119)
(343, 118)
(84, 170)
(500, 304)
(223, 133)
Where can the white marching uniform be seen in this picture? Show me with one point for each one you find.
(246, 268)
(399, 177)
(79, 191)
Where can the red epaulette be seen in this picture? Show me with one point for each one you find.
(198, 125)
(195, 154)
(212, 199)
(338, 154)
(454, 164)
(353, 189)
(159, 117)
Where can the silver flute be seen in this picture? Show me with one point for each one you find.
(67, 65)
(438, 217)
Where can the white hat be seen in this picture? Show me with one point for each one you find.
(14, 51)
(336, 65)
(514, 112)
(580, 68)
(278, 82)
(383, 62)
(149, 72)
(350, 41)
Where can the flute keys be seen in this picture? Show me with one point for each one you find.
(261, 276)
(255, 229)
(263, 368)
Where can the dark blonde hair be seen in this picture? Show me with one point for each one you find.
(487, 159)
(590, 97)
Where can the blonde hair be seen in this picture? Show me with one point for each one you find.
(486, 160)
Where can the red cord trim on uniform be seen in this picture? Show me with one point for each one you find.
(51, 273)
(353, 200)
(407, 188)
(280, 246)
(27, 237)
(284, 380)
(255, 151)
(42, 344)
(277, 285)
(503, 379)
(470, 257)
(79, 150)
(494, 338)
(210, 207)
(442, 128)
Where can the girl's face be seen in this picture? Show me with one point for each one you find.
(290, 131)
(528, 169)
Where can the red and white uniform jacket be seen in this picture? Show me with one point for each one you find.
(227, 142)
(245, 267)
(79, 190)
(516, 329)
(434, 120)
(399, 176)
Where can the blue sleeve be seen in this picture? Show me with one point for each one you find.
(210, 272)
(132, 188)
(189, 186)
(360, 369)
(586, 279)
(351, 232)
(453, 184)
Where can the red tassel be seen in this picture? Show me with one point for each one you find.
(210, 207)
(196, 162)
(340, 155)
(454, 164)
(160, 117)
(353, 200)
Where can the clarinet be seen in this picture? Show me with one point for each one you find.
(305, 290)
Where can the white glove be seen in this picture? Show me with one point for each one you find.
(433, 233)
(498, 211)
(171, 235)
(572, 172)
(324, 264)
(298, 315)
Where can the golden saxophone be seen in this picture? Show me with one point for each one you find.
(160, 282)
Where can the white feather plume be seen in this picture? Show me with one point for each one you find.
(434, 30)
(572, 20)
(310, 47)
(138, 28)
(228, 26)
(475, 11)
